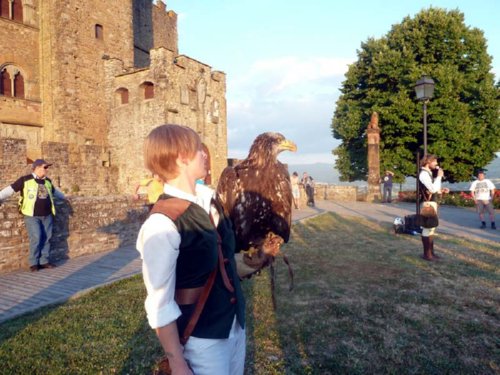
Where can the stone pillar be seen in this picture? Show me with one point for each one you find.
(373, 135)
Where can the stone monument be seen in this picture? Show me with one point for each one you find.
(373, 135)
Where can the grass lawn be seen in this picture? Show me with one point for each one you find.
(363, 303)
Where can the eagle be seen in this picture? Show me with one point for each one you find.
(257, 196)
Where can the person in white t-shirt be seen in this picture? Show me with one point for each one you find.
(483, 191)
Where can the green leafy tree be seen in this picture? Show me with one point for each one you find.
(463, 116)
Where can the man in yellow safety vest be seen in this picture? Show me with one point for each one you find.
(36, 203)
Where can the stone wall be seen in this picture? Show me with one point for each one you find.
(72, 115)
(83, 225)
(82, 170)
(154, 27)
(19, 51)
(331, 192)
(75, 106)
(186, 92)
(19, 47)
(12, 160)
(87, 225)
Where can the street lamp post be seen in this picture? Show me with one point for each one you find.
(424, 89)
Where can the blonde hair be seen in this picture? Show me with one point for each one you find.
(427, 159)
(165, 144)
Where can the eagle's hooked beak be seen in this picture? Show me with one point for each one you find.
(287, 145)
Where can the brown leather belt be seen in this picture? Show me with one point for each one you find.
(188, 296)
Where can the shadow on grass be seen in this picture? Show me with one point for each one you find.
(366, 303)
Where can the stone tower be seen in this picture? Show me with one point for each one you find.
(373, 135)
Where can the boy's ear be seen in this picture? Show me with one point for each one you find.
(182, 161)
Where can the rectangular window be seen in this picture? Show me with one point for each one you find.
(149, 91)
(5, 88)
(99, 32)
(124, 96)
(19, 86)
(17, 11)
(4, 8)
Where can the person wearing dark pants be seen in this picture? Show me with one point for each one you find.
(36, 203)
(429, 188)
(387, 181)
(308, 183)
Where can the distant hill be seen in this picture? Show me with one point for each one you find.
(324, 172)
(320, 172)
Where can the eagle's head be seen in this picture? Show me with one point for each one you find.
(267, 146)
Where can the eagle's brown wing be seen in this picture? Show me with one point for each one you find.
(226, 189)
(282, 204)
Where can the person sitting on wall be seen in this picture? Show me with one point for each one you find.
(36, 203)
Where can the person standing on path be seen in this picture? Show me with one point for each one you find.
(36, 203)
(308, 183)
(429, 188)
(483, 192)
(294, 180)
(387, 188)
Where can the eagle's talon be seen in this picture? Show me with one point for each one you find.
(250, 252)
(272, 244)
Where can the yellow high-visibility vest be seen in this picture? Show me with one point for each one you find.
(29, 195)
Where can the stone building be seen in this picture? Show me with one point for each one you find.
(83, 82)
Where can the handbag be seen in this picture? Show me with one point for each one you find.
(428, 217)
(173, 209)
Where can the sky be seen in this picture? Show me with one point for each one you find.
(285, 60)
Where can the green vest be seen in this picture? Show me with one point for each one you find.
(197, 258)
(29, 196)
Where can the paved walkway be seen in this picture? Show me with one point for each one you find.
(23, 291)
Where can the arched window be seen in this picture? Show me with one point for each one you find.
(19, 86)
(5, 85)
(12, 82)
(149, 90)
(17, 10)
(121, 96)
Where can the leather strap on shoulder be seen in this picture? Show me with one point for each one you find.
(170, 207)
(173, 208)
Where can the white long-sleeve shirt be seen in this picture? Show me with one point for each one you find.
(158, 243)
(426, 179)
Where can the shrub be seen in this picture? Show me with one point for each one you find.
(454, 198)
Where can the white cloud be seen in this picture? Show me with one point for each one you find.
(288, 75)
(289, 95)
(291, 71)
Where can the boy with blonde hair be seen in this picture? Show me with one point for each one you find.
(180, 252)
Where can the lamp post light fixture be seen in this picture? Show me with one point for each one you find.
(424, 89)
